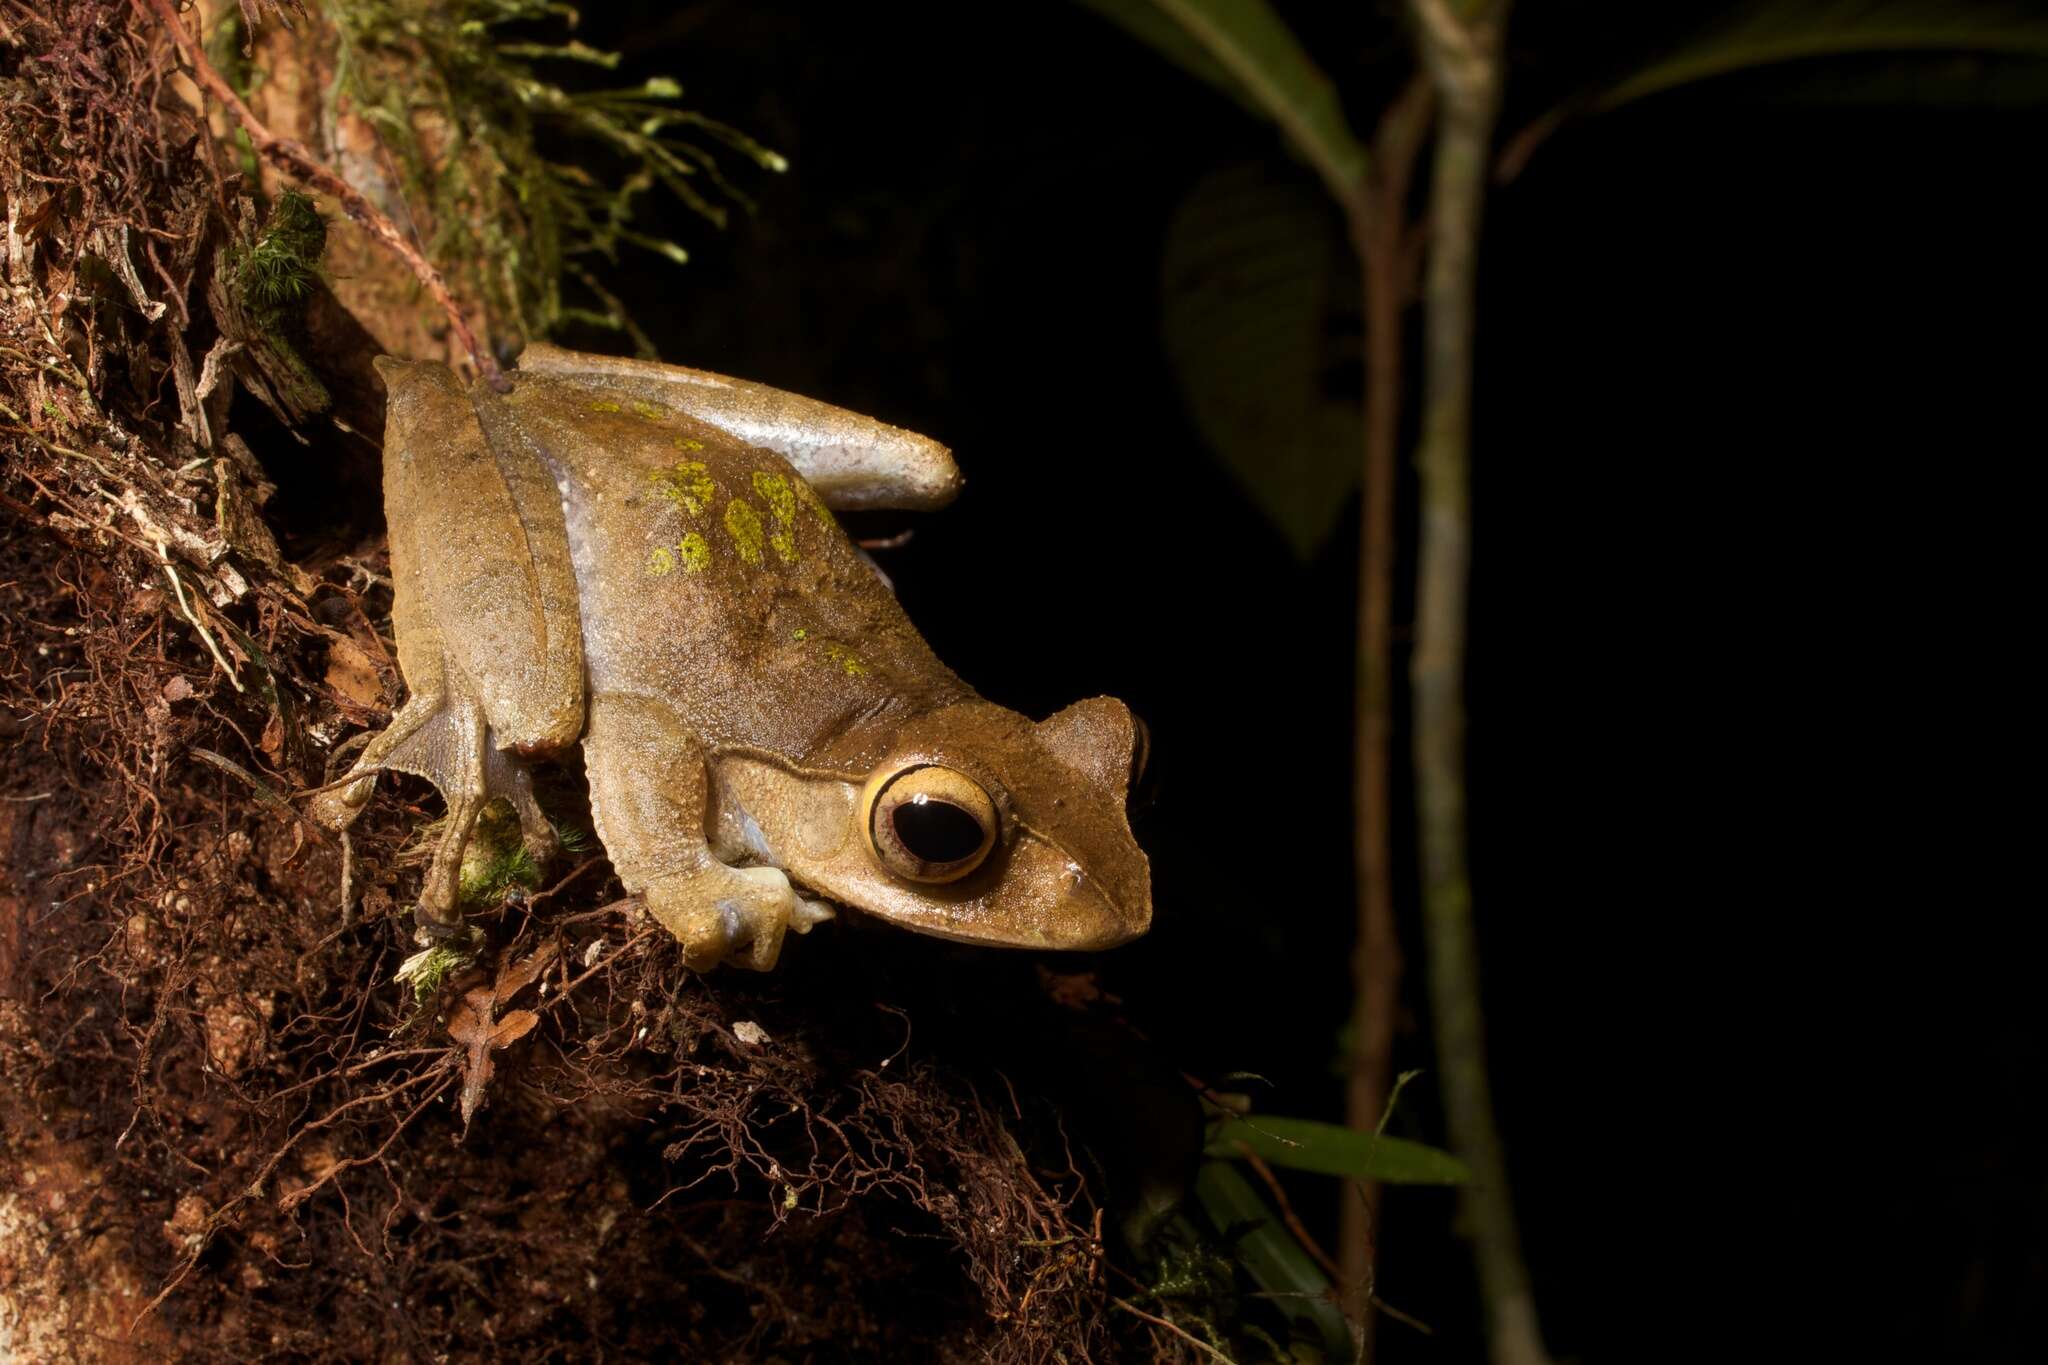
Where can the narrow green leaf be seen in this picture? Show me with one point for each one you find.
(1765, 34)
(1326, 1149)
(1270, 1254)
(1243, 48)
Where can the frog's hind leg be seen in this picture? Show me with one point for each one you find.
(480, 559)
(850, 461)
(488, 630)
(439, 736)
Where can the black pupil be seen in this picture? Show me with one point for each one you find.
(936, 831)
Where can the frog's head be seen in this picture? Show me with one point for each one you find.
(973, 823)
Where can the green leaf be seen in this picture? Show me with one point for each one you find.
(1260, 321)
(1326, 1149)
(1244, 49)
(1270, 1254)
(1766, 34)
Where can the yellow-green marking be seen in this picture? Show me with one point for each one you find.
(743, 524)
(685, 484)
(775, 491)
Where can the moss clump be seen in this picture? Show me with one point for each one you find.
(495, 862)
(465, 112)
(270, 279)
(277, 274)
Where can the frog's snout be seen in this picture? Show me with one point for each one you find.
(1078, 911)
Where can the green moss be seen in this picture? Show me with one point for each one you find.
(277, 273)
(495, 860)
(273, 278)
(426, 970)
(487, 193)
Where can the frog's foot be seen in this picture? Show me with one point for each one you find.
(443, 737)
(338, 807)
(727, 914)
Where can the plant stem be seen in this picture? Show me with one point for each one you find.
(1461, 51)
(1379, 224)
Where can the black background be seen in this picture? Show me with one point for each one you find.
(1758, 379)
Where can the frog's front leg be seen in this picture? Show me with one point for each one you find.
(649, 791)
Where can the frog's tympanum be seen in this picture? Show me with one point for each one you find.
(643, 559)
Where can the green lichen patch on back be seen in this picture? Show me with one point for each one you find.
(653, 412)
(775, 491)
(660, 563)
(685, 484)
(809, 497)
(842, 657)
(743, 524)
(694, 552)
(605, 405)
(849, 662)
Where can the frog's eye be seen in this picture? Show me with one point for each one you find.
(930, 824)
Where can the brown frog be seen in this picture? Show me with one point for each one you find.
(643, 559)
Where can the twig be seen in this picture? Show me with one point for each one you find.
(265, 793)
(1379, 222)
(1287, 1214)
(1462, 52)
(1173, 1327)
(295, 160)
(185, 609)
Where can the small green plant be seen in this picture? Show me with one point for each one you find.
(277, 273)
(514, 174)
(425, 970)
(496, 860)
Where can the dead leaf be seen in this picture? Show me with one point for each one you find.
(178, 688)
(350, 672)
(516, 978)
(272, 742)
(513, 1027)
(474, 1024)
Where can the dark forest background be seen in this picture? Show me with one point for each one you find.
(1759, 368)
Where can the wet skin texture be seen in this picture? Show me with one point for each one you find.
(642, 559)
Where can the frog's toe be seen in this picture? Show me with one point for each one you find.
(809, 914)
(762, 919)
(727, 914)
(338, 809)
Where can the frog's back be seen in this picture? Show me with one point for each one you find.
(711, 576)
